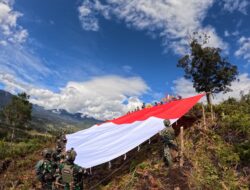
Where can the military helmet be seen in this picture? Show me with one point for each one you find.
(71, 155)
(167, 123)
(47, 153)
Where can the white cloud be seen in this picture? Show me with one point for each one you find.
(10, 31)
(127, 68)
(133, 103)
(11, 84)
(103, 97)
(3, 43)
(236, 33)
(185, 88)
(22, 63)
(172, 20)
(236, 5)
(226, 33)
(15, 57)
(229, 34)
(87, 14)
(87, 18)
(215, 40)
(244, 48)
(243, 85)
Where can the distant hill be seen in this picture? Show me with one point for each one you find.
(5, 98)
(52, 118)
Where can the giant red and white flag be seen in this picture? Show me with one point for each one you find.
(105, 142)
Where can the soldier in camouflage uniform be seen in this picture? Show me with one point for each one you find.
(63, 138)
(168, 136)
(71, 174)
(45, 170)
(61, 142)
(58, 156)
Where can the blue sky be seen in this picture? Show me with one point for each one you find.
(76, 55)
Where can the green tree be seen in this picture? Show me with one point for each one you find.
(205, 66)
(18, 112)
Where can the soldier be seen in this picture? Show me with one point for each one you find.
(64, 139)
(71, 174)
(45, 170)
(57, 155)
(143, 106)
(61, 142)
(168, 136)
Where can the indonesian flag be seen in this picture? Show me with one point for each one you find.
(105, 142)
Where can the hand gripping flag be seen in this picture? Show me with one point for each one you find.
(105, 142)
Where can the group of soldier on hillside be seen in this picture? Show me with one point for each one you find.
(167, 99)
(57, 169)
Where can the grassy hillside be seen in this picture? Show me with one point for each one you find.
(209, 163)
(215, 157)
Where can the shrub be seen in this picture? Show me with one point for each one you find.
(234, 122)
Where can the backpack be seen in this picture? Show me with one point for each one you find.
(68, 174)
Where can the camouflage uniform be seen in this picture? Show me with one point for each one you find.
(60, 145)
(61, 142)
(45, 170)
(168, 136)
(71, 174)
(58, 155)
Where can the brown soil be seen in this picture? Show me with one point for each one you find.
(20, 173)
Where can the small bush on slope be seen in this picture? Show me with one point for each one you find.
(213, 160)
(234, 121)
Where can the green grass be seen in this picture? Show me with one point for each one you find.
(13, 150)
(213, 161)
(234, 121)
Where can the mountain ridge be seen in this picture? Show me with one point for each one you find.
(57, 117)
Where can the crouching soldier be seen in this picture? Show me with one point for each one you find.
(71, 174)
(168, 136)
(45, 170)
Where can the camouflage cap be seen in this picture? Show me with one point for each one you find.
(47, 153)
(167, 123)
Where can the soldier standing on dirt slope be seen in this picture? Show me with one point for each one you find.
(168, 136)
(45, 170)
(71, 175)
